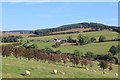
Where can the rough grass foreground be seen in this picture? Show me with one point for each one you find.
(12, 68)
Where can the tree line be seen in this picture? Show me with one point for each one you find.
(96, 26)
(51, 56)
(11, 38)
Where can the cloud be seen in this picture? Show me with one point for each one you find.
(60, 0)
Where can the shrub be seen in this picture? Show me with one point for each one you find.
(103, 64)
(102, 38)
(89, 55)
(92, 39)
(83, 39)
(113, 50)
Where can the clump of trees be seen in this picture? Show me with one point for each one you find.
(6, 50)
(11, 38)
(47, 50)
(33, 46)
(83, 39)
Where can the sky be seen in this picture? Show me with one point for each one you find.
(41, 15)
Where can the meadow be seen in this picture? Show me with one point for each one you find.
(96, 48)
(13, 68)
(108, 34)
(43, 70)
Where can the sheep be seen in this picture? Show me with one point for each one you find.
(27, 72)
(62, 72)
(55, 71)
(116, 74)
(87, 68)
(93, 70)
(104, 72)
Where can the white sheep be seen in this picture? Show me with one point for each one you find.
(104, 72)
(116, 74)
(97, 69)
(27, 72)
(62, 72)
(54, 71)
(87, 68)
(93, 70)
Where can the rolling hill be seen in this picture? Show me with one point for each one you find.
(95, 26)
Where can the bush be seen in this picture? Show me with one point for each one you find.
(58, 52)
(47, 50)
(69, 39)
(92, 39)
(89, 55)
(113, 50)
(103, 64)
(11, 38)
(83, 39)
(102, 38)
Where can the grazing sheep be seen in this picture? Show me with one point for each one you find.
(54, 71)
(62, 72)
(104, 72)
(93, 70)
(116, 74)
(87, 69)
(27, 72)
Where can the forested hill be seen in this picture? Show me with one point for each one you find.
(94, 26)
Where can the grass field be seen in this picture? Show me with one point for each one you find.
(108, 34)
(97, 48)
(12, 68)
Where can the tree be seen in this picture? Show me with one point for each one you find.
(103, 64)
(79, 36)
(92, 39)
(69, 39)
(7, 50)
(113, 50)
(84, 62)
(89, 55)
(58, 52)
(11, 38)
(83, 39)
(47, 50)
(102, 38)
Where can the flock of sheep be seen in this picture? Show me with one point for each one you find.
(55, 71)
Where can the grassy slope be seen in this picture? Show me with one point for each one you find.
(97, 48)
(108, 34)
(12, 68)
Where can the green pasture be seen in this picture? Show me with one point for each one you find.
(13, 68)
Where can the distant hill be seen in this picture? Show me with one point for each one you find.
(19, 31)
(95, 26)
